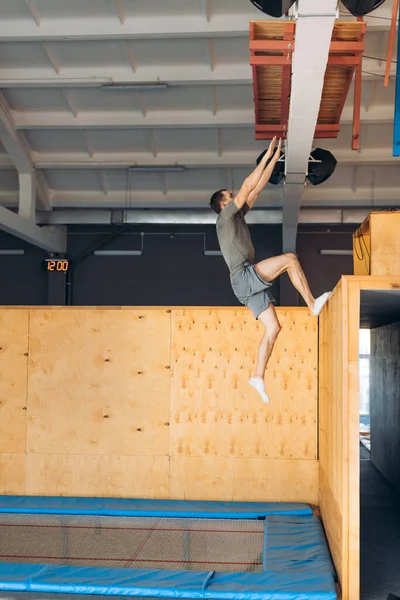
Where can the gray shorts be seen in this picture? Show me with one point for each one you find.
(251, 290)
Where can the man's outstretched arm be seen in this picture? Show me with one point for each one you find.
(252, 181)
(265, 177)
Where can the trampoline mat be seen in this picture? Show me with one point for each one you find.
(133, 542)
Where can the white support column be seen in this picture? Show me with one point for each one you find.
(314, 27)
(27, 196)
(23, 225)
(18, 150)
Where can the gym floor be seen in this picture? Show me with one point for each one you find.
(380, 534)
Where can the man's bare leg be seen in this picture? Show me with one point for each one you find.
(272, 328)
(271, 268)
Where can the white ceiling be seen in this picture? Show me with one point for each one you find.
(56, 54)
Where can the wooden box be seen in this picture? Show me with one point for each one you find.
(376, 245)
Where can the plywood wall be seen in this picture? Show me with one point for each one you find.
(385, 401)
(338, 431)
(156, 403)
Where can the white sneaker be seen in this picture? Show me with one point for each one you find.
(320, 303)
(259, 385)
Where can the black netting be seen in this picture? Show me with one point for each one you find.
(133, 542)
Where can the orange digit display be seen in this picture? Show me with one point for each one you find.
(57, 265)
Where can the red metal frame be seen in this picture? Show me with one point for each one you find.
(355, 142)
(279, 53)
(391, 42)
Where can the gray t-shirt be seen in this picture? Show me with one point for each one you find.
(234, 237)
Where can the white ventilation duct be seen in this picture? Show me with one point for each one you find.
(314, 25)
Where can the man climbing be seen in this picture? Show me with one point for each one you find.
(250, 280)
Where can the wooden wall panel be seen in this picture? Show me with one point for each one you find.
(331, 383)
(385, 244)
(115, 409)
(99, 382)
(339, 484)
(95, 475)
(13, 379)
(12, 474)
(385, 401)
(215, 412)
(244, 479)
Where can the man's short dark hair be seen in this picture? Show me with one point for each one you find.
(216, 199)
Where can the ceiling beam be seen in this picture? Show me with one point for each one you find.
(314, 26)
(182, 74)
(152, 26)
(329, 197)
(73, 119)
(177, 75)
(14, 143)
(199, 217)
(50, 239)
(239, 158)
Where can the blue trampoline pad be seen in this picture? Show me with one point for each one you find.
(284, 557)
(147, 508)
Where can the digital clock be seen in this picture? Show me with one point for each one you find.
(56, 264)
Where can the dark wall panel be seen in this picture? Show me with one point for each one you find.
(23, 280)
(173, 269)
(385, 401)
(323, 272)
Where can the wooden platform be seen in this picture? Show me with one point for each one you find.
(272, 44)
(338, 415)
(376, 245)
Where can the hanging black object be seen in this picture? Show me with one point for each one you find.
(359, 8)
(320, 171)
(278, 174)
(274, 8)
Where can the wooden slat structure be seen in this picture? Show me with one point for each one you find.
(272, 44)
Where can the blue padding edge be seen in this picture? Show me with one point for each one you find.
(295, 543)
(121, 507)
(273, 585)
